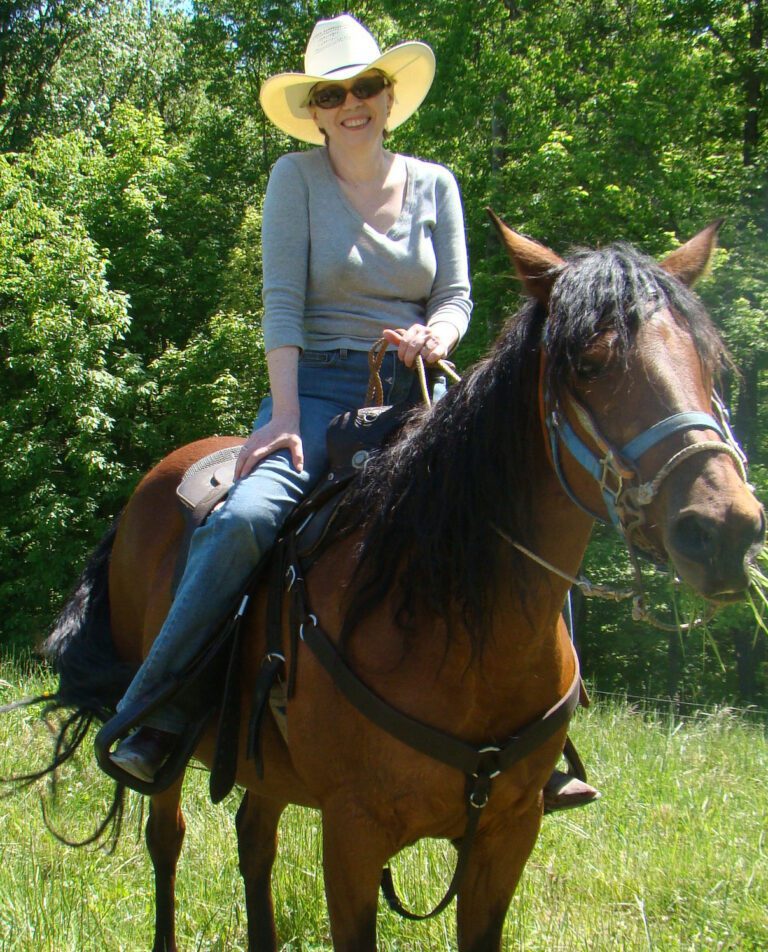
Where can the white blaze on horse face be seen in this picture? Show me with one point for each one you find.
(703, 515)
(670, 362)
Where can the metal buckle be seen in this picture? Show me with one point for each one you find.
(489, 750)
(607, 468)
(481, 803)
(301, 626)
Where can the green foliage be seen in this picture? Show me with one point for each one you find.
(65, 64)
(59, 320)
(726, 657)
(213, 385)
(130, 323)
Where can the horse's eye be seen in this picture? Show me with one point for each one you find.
(588, 368)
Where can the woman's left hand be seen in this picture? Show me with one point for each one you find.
(431, 343)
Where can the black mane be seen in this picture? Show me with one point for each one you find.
(428, 503)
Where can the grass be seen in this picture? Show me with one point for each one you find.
(672, 857)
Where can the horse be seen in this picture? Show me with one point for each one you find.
(444, 594)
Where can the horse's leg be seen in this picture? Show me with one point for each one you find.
(256, 823)
(496, 862)
(354, 852)
(165, 834)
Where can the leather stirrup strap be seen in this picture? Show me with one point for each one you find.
(224, 767)
(273, 661)
(196, 672)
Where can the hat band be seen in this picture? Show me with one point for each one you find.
(338, 69)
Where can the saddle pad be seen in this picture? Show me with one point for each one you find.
(211, 472)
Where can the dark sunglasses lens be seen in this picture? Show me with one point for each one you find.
(332, 96)
(368, 86)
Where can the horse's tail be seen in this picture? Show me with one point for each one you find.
(92, 678)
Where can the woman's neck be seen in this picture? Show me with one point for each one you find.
(364, 167)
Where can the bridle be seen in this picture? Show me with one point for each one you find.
(617, 469)
(617, 472)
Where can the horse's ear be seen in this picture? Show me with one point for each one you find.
(690, 260)
(535, 265)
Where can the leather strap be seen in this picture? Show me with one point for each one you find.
(273, 661)
(480, 764)
(428, 740)
(478, 792)
(224, 767)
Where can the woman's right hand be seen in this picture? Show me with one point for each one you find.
(278, 434)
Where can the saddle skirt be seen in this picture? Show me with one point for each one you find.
(208, 475)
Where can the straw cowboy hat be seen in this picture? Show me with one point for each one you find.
(342, 48)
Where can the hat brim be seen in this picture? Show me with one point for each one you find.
(411, 65)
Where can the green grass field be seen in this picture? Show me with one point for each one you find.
(675, 855)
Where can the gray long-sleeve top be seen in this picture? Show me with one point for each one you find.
(331, 280)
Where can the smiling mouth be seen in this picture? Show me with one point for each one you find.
(356, 123)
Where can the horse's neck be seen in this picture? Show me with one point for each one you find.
(527, 641)
(561, 532)
(429, 668)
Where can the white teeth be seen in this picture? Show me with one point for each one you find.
(353, 123)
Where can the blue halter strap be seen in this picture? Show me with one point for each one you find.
(615, 466)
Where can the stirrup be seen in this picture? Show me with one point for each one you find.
(120, 726)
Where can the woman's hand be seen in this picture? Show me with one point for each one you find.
(278, 434)
(431, 343)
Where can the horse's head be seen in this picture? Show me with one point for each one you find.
(633, 425)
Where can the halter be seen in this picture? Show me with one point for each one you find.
(617, 472)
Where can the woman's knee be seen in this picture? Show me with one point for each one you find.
(234, 525)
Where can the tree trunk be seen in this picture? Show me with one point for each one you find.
(753, 84)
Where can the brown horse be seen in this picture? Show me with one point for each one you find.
(440, 615)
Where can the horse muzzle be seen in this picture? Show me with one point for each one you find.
(712, 544)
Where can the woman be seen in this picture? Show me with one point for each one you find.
(358, 243)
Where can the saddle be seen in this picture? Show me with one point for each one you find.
(353, 438)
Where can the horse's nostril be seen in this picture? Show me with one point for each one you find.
(760, 530)
(695, 536)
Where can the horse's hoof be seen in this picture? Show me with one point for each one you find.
(562, 792)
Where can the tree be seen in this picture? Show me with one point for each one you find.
(58, 322)
(34, 36)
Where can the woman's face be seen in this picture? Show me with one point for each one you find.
(355, 121)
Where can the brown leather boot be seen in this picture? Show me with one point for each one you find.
(562, 792)
(144, 752)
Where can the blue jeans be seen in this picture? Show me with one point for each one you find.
(225, 549)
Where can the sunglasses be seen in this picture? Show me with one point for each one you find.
(330, 97)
